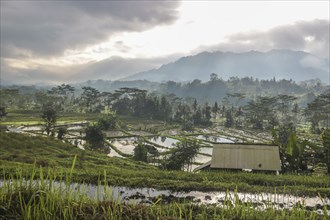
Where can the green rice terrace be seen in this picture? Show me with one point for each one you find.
(63, 160)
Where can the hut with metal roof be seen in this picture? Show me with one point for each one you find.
(256, 157)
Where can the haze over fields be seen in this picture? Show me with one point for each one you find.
(73, 41)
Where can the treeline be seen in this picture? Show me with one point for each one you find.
(236, 109)
(214, 90)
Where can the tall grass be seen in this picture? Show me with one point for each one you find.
(50, 194)
(20, 151)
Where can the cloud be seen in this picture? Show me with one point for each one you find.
(310, 61)
(120, 46)
(22, 74)
(48, 28)
(310, 36)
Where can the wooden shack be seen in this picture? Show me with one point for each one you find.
(244, 156)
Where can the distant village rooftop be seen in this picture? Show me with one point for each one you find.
(244, 156)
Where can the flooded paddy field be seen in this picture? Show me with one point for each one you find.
(112, 134)
(125, 145)
(216, 139)
(164, 141)
(148, 196)
(125, 142)
(139, 133)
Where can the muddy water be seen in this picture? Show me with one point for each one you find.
(150, 195)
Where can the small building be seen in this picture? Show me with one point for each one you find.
(257, 157)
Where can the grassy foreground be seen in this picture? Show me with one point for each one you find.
(22, 198)
(19, 153)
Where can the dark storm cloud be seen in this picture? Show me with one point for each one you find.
(311, 36)
(49, 27)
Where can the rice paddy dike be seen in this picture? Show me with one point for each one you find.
(32, 163)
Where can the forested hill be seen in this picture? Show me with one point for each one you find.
(284, 64)
(216, 89)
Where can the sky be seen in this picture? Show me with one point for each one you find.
(67, 41)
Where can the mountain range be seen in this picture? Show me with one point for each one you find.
(281, 64)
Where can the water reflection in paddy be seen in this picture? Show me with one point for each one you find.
(216, 139)
(149, 195)
(125, 145)
(202, 159)
(164, 141)
(206, 150)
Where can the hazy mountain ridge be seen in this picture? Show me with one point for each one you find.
(281, 64)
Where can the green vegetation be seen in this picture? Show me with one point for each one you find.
(326, 147)
(94, 137)
(32, 117)
(20, 152)
(299, 124)
(140, 152)
(49, 117)
(182, 155)
(21, 198)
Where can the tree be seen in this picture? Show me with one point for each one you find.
(3, 112)
(183, 115)
(165, 109)
(197, 117)
(326, 147)
(49, 116)
(195, 106)
(61, 132)
(89, 96)
(207, 115)
(94, 137)
(239, 117)
(64, 94)
(184, 154)
(13, 98)
(318, 111)
(64, 90)
(261, 112)
(236, 97)
(41, 99)
(229, 119)
(108, 121)
(215, 109)
(151, 108)
(285, 107)
(141, 152)
(107, 99)
(214, 77)
(139, 102)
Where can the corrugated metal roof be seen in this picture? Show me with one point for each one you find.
(243, 156)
